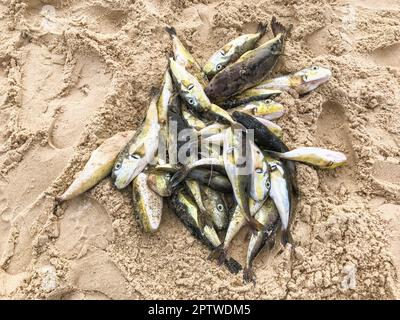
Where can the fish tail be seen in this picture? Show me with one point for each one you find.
(219, 254)
(286, 237)
(233, 266)
(249, 275)
(171, 31)
(262, 28)
(278, 27)
(178, 177)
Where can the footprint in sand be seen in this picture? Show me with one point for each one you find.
(387, 173)
(388, 56)
(82, 102)
(103, 19)
(85, 227)
(333, 133)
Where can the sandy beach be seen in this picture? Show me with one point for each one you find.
(73, 73)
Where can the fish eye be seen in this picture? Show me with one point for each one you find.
(259, 170)
(191, 101)
(219, 67)
(273, 167)
(220, 207)
(268, 184)
(314, 68)
(134, 156)
(117, 166)
(268, 101)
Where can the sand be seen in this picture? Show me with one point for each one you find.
(73, 73)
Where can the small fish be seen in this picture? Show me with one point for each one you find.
(268, 216)
(248, 96)
(148, 204)
(281, 194)
(98, 166)
(273, 127)
(140, 151)
(260, 179)
(193, 93)
(187, 211)
(216, 207)
(162, 109)
(267, 109)
(303, 81)
(232, 51)
(235, 167)
(236, 223)
(159, 182)
(251, 68)
(185, 58)
(322, 158)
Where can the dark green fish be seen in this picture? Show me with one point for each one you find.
(252, 67)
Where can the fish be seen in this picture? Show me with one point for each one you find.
(273, 127)
(319, 157)
(236, 167)
(193, 93)
(260, 178)
(236, 223)
(162, 108)
(148, 205)
(250, 69)
(187, 211)
(98, 166)
(185, 58)
(215, 205)
(268, 216)
(180, 132)
(303, 81)
(159, 182)
(212, 129)
(232, 51)
(140, 150)
(267, 109)
(248, 96)
(281, 195)
(263, 137)
(194, 189)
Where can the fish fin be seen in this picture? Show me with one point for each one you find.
(255, 225)
(286, 237)
(249, 276)
(262, 28)
(219, 254)
(278, 27)
(233, 266)
(154, 92)
(171, 31)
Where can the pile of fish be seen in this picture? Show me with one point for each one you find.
(209, 148)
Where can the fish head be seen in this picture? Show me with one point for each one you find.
(336, 159)
(311, 78)
(218, 61)
(126, 169)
